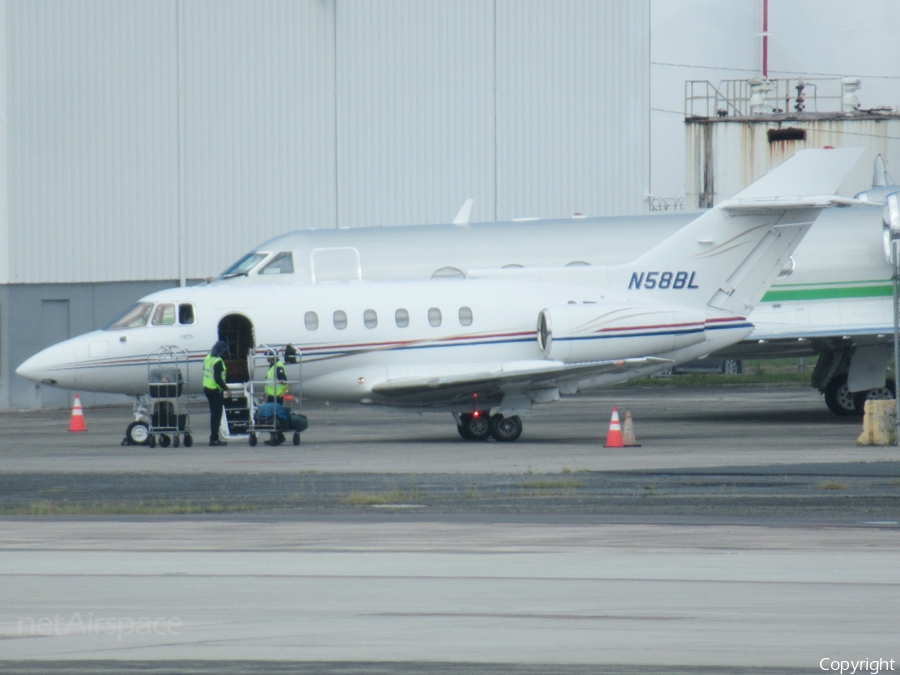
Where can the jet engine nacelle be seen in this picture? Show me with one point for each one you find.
(577, 333)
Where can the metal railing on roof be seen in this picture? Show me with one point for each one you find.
(743, 98)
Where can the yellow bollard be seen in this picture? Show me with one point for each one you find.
(879, 424)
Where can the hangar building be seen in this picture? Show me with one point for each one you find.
(146, 144)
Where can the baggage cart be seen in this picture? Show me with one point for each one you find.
(166, 411)
(268, 416)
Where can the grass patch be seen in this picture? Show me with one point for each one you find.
(715, 379)
(395, 496)
(834, 485)
(46, 508)
(560, 484)
(755, 371)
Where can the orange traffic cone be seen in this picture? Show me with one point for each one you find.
(77, 423)
(614, 437)
(628, 439)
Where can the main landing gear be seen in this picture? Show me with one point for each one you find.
(841, 401)
(480, 425)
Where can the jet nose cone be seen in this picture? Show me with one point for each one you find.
(45, 366)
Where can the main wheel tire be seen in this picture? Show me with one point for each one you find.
(839, 398)
(137, 433)
(464, 432)
(885, 393)
(188, 440)
(164, 440)
(506, 429)
(477, 425)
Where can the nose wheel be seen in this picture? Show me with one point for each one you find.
(137, 433)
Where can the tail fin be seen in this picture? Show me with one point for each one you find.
(879, 173)
(730, 255)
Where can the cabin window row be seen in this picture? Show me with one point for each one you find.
(401, 318)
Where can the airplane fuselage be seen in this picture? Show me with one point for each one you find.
(353, 336)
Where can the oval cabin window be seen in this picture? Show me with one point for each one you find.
(312, 320)
(401, 316)
(448, 273)
(465, 316)
(340, 319)
(434, 316)
(370, 318)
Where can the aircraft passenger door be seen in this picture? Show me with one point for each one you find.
(54, 328)
(237, 331)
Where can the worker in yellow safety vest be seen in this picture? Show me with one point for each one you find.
(214, 387)
(276, 381)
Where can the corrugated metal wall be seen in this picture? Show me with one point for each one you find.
(130, 124)
(415, 111)
(92, 140)
(572, 107)
(259, 125)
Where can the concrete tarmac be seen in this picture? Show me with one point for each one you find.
(501, 593)
(750, 534)
(677, 428)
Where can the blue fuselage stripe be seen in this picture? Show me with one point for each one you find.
(469, 342)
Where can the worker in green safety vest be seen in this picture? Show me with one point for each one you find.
(276, 387)
(276, 381)
(214, 387)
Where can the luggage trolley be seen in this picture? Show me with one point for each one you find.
(270, 417)
(167, 373)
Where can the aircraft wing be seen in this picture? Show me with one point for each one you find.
(493, 383)
(791, 343)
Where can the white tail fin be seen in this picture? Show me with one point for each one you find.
(879, 173)
(462, 218)
(730, 255)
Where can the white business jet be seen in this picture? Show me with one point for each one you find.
(832, 299)
(484, 349)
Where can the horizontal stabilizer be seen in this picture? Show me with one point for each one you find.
(779, 204)
(807, 173)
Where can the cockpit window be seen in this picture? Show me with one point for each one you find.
(243, 266)
(164, 314)
(283, 263)
(185, 313)
(136, 317)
